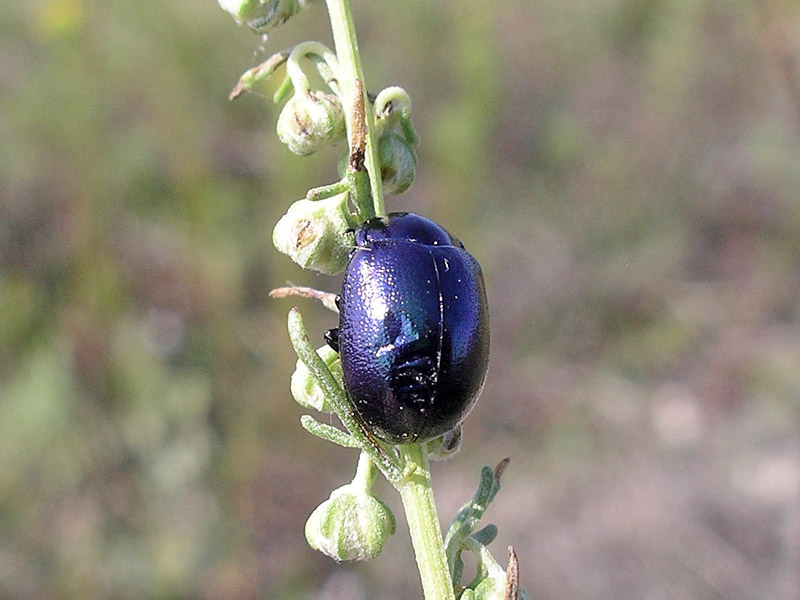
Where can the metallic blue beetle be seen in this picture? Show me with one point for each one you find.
(413, 328)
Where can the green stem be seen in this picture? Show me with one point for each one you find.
(423, 523)
(415, 489)
(344, 38)
(365, 472)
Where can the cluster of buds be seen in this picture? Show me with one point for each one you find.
(316, 231)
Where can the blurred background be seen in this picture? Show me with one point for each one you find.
(627, 173)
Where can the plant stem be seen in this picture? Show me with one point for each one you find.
(415, 490)
(344, 38)
(365, 473)
(423, 524)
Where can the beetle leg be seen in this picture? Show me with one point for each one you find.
(332, 338)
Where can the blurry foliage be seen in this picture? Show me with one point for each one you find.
(625, 171)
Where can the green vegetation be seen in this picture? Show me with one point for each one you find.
(626, 173)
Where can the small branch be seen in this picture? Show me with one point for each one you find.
(328, 432)
(328, 299)
(326, 191)
(256, 75)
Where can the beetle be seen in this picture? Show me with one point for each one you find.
(413, 331)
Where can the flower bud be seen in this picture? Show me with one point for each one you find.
(305, 389)
(350, 525)
(445, 445)
(311, 120)
(262, 15)
(316, 234)
(398, 163)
